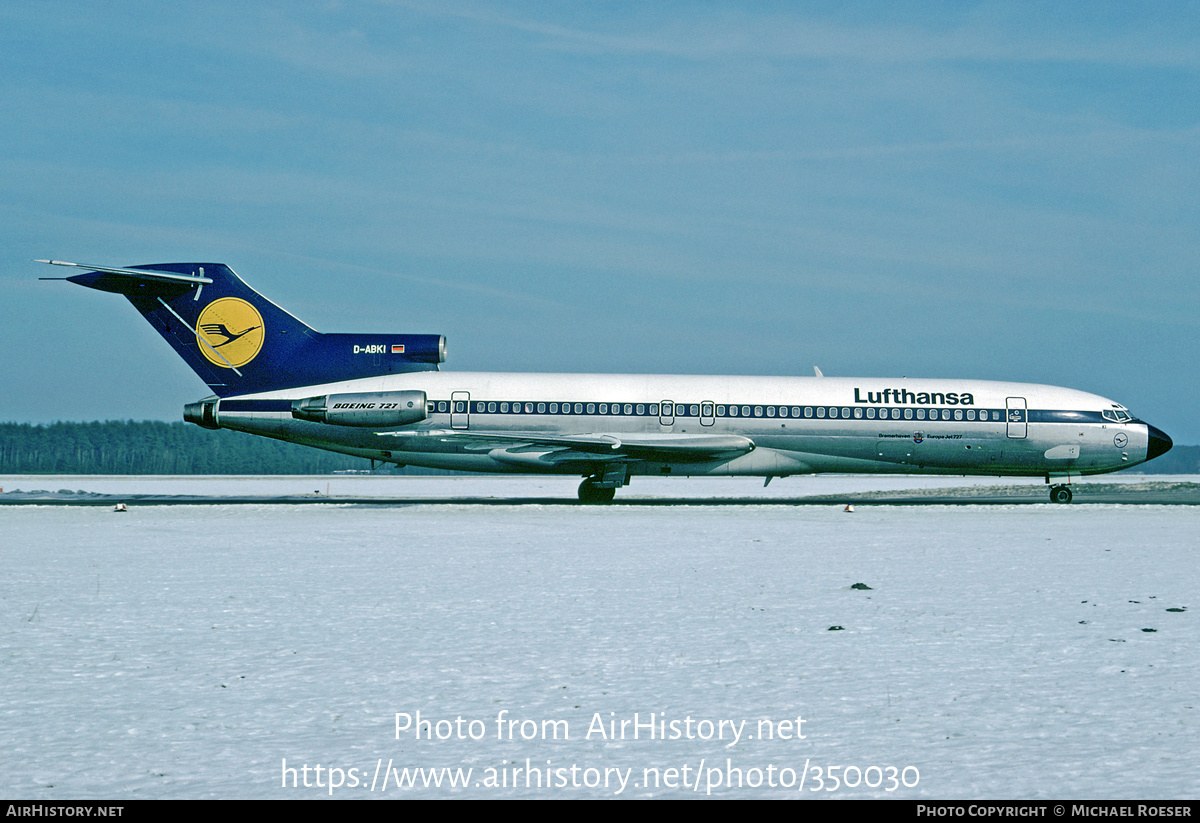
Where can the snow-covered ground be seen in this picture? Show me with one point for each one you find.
(1001, 651)
(522, 486)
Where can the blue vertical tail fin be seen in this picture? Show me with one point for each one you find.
(239, 342)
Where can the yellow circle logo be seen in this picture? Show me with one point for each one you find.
(230, 332)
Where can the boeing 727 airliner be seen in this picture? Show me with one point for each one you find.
(383, 397)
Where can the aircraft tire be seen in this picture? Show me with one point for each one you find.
(591, 495)
(1060, 494)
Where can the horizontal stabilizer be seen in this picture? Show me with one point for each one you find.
(137, 274)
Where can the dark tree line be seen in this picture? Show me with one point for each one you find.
(154, 447)
(1179, 460)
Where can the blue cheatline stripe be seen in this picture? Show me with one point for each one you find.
(256, 405)
(756, 411)
(1045, 416)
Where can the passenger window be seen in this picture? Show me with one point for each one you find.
(720, 411)
(629, 409)
(820, 411)
(706, 410)
(858, 414)
(554, 408)
(693, 410)
(958, 414)
(920, 414)
(908, 414)
(579, 408)
(783, 411)
(808, 411)
(795, 411)
(604, 408)
(970, 414)
(745, 411)
(504, 407)
(591, 408)
(833, 413)
(541, 408)
(845, 412)
(770, 411)
(895, 414)
(871, 413)
(441, 405)
(491, 407)
(653, 410)
(529, 408)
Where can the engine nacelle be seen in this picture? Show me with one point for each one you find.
(202, 413)
(370, 409)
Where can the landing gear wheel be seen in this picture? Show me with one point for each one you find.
(591, 495)
(1060, 494)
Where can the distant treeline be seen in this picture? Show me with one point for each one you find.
(1179, 460)
(153, 447)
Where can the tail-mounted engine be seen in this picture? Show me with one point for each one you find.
(203, 413)
(369, 409)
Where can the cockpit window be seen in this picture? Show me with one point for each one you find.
(1117, 415)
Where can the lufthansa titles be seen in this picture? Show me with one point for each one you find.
(904, 397)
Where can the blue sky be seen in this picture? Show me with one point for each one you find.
(1005, 191)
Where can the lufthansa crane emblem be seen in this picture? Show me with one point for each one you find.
(1121, 440)
(230, 332)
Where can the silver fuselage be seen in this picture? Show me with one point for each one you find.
(797, 425)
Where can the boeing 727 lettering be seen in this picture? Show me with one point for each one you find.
(384, 397)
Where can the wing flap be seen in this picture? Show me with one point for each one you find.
(665, 446)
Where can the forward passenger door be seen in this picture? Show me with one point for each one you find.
(1018, 417)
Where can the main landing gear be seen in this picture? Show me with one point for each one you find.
(602, 486)
(590, 494)
(1060, 494)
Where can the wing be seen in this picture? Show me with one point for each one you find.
(555, 449)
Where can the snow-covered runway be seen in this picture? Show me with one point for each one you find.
(222, 651)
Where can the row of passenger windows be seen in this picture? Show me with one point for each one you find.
(713, 410)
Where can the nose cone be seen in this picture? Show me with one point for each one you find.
(1159, 443)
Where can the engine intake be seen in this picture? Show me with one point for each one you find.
(369, 409)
